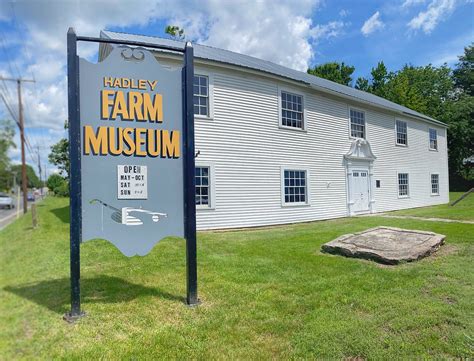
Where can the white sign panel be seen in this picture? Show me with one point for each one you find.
(132, 182)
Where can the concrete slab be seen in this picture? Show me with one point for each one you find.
(386, 245)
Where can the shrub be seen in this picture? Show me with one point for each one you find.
(63, 189)
(58, 185)
(54, 181)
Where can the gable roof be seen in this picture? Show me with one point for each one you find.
(228, 57)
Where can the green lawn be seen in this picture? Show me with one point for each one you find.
(464, 210)
(267, 293)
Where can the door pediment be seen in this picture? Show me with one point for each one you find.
(360, 150)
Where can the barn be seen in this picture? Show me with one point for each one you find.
(278, 146)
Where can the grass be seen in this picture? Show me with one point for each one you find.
(464, 210)
(267, 293)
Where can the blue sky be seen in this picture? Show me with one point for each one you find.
(294, 33)
(395, 43)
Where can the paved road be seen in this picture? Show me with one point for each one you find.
(9, 215)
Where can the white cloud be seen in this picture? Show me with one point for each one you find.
(409, 3)
(438, 10)
(343, 13)
(330, 30)
(43, 27)
(280, 32)
(372, 24)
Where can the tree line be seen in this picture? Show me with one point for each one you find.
(440, 92)
(10, 174)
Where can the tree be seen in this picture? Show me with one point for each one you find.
(459, 115)
(59, 155)
(400, 89)
(54, 181)
(362, 84)
(33, 180)
(424, 88)
(433, 84)
(463, 75)
(439, 92)
(6, 143)
(378, 80)
(337, 72)
(58, 185)
(175, 31)
(380, 77)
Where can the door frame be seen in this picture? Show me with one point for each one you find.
(361, 165)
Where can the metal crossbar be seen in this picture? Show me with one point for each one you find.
(131, 42)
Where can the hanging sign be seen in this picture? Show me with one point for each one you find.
(131, 119)
(131, 150)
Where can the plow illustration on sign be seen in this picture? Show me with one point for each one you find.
(124, 216)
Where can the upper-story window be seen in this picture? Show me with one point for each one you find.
(433, 139)
(201, 95)
(357, 124)
(292, 110)
(402, 134)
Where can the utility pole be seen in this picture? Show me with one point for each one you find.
(24, 180)
(39, 170)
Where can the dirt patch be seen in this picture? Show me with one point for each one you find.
(446, 250)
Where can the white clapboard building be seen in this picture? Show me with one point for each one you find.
(280, 146)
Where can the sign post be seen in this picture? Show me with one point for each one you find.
(131, 133)
(189, 179)
(75, 176)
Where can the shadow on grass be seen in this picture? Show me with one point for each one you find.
(62, 214)
(55, 294)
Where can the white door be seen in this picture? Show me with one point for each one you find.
(360, 190)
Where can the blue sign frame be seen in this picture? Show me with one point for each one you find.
(75, 183)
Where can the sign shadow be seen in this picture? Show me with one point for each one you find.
(55, 294)
(62, 214)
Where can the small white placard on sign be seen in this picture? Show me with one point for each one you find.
(132, 182)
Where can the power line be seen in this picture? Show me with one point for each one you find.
(28, 113)
(8, 57)
(24, 179)
(5, 93)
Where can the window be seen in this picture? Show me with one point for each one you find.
(201, 95)
(377, 183)
(291, 110)
(403, 185)
(435, 184)
(402, 136)
(357, 124)
(202, 175)
(295, 188)
(433, 139)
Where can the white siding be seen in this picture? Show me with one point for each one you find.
(416, 159)
(247, 149)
